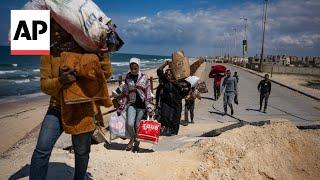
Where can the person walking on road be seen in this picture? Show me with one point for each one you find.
(264, 88)
(235, 74)
(171, 100)
(217, 83)
(229, 86)
(189, 105)
(136, 100)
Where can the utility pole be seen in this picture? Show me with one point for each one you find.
(263, 32)
(245, 41)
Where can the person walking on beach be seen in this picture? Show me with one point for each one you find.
(53, 80)
(171, 100)
(230, 88)
(189, 105)
(264, 88)
(137, 100)
(216, 84)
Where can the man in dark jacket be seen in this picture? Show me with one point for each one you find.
(171, 100)
(264, 88)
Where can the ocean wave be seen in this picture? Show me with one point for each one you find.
(21, 81)
(120, 63)
(7, 72)
(36, 78)
(36, 70)
(8, 65)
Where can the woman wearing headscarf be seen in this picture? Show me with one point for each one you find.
(171, 100)
(137, 100)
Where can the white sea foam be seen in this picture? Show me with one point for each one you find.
(7, 72)
(36, 70)
(21, 81)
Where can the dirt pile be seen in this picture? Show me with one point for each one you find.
(276, 151)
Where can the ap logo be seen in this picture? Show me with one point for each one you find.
(30, 32)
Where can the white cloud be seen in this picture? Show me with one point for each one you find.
(291, 23)
(139, 20)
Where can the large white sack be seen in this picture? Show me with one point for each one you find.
(83, 19)
(193, 80)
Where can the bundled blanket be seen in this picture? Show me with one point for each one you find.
(81, 99)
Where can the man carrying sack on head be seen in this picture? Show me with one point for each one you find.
(76, 83)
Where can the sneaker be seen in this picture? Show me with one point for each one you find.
(192, 122)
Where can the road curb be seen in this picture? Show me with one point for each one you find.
(281, 84)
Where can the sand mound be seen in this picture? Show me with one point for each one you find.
(276, 151)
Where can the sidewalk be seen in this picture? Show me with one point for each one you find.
(289, 81)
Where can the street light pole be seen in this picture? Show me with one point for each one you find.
(263, 32)
(245, 41)
(235, 41)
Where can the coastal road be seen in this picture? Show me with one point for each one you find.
(283, 102)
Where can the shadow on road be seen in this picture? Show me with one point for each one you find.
(257, 110)
(208, 98)
(288, 113)
(56, 171)
(121, 147)
(218, 113)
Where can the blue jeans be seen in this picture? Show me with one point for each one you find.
(134, 115)
(50, 131)
(228, 100)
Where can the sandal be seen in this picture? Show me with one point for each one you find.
(130, 145)
(136, 146)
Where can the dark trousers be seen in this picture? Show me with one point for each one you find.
(189, 106)
(264, 96)
(51, 129)
(216, 91)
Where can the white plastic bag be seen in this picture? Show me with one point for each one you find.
(193, 80)
(117, 125)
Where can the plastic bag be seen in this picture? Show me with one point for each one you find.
(202, 87)
(193, 80)
(149, 131)
(117, 125)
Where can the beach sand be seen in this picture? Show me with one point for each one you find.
(275, 151)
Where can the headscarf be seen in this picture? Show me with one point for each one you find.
(136, 61)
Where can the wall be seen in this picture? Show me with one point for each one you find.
(291, 70)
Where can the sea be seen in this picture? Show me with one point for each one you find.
(20, 75)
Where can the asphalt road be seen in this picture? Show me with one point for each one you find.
(283, 103)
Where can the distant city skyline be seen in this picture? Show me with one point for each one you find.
(206, 27)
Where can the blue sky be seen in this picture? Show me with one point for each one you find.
(206, 27)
